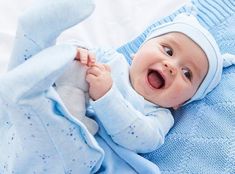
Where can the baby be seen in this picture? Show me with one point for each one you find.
(178, 63)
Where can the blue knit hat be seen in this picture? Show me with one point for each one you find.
(189, 25)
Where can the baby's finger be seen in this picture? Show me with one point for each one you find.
(91, 59)
(94, 70)
(78, 53)
(90, 78)
(100, 66)
(84, 56)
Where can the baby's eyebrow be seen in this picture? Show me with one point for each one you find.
(174, 42)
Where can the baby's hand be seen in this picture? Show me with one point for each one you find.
(85, 57)
(99, 79)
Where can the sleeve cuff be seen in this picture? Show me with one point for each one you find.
(166, 120)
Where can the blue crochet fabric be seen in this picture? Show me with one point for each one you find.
(203, 138)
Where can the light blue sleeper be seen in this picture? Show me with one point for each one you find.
(127, 117)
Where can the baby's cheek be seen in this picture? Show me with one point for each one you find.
(182, 94)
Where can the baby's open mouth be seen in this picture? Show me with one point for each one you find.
(156, 79)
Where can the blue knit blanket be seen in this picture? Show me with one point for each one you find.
(203, 138)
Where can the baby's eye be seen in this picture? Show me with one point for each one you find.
(187, 73)
(168, 50)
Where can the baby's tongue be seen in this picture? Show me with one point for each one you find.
(155, 79)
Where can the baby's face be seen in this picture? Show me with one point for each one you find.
(167, 70)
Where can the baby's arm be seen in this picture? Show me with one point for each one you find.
(130, 128)
(122, 120)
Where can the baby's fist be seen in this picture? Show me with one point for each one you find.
(99, 79)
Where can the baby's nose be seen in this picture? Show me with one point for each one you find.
(171, 68)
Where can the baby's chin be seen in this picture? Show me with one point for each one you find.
(164, 104)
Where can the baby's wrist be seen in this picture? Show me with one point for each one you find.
(97, 95)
